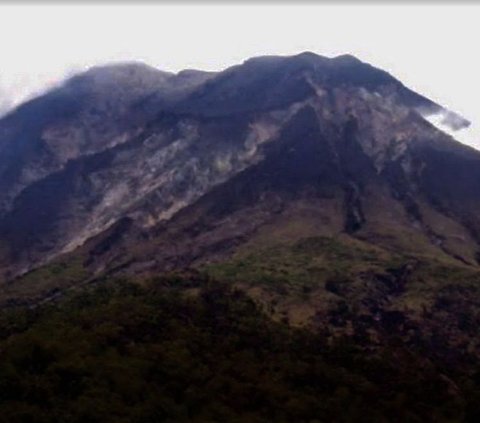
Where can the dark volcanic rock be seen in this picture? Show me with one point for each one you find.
(199, 162)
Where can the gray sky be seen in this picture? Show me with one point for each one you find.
(431, 48)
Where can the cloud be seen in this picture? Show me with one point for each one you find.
(42, 43)
(6, 102)
(15, 89)
(455, 126)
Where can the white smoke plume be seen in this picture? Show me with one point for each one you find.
(456, 127)
(15, 89)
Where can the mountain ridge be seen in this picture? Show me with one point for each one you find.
(130, 141)
(290, 239)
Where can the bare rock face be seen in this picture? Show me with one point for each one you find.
(200, 162)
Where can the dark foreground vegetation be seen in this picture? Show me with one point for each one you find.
(194, 350)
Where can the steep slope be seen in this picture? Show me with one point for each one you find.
(320, 184)
(91, 112)
(272, 82)
(201, 163)
(287, 240)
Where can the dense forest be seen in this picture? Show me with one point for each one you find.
(193, 349)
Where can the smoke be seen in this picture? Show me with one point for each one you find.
(15, 92)
(18, 88)
(6, 102)
(457, 127)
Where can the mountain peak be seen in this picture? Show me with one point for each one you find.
(309, 55)
(347, 59)
(135, 141)
(343, 59)
(125, 73)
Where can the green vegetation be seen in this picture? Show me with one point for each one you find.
(320, 273)
(316, 330)
(128, 353)
(46, 281)
(306, 263)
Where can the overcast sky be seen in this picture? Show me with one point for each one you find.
(433, 49)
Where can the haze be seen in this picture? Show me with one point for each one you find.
(430, 48)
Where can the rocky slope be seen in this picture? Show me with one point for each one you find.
(187, 168)
(287, 240)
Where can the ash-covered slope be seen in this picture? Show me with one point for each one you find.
(200, 163)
